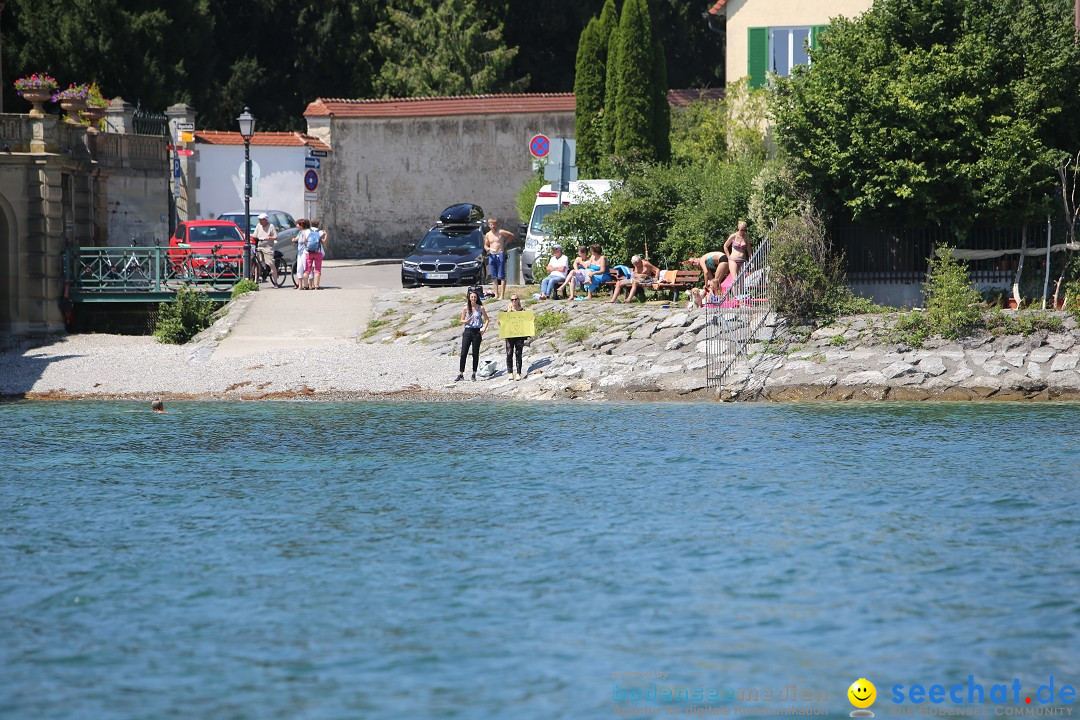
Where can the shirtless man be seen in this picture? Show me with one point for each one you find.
(495, 246)
(644, 273)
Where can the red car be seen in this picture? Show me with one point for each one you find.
(198, 238)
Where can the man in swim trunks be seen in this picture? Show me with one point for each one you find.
(495, 246)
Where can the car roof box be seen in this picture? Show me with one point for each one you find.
(462, 214)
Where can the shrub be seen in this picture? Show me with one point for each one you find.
(953, 305)
(186, 316)
(526, 196)
(548, 321)
(244, 286)
(578, 333)
(807, 276)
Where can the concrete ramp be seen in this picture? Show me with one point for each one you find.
(286, 318)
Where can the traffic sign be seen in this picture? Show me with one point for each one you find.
(311, 197)
(176, 167)
(539, 145)
(318, 153)
(311, 180)
(312, 163)
(184, 152)
(185, 126)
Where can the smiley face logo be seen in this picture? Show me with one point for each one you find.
(862, 694)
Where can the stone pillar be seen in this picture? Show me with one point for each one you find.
(45, 134)
(185, 198)
(41, 260)
(119, 117)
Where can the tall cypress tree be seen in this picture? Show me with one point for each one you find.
(609, 23)
(611, 90)
(589, 98)
(661, 109)
(634, 99)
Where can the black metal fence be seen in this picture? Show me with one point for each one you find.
(876, 254)
(145, 122)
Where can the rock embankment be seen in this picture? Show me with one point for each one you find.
(860, 358)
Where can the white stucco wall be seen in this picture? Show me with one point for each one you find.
(392, 176)
(745, 14)
(277, 179)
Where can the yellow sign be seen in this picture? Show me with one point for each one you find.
(184, 136)
(517, 324)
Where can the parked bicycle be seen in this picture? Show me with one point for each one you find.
(218, 270)
(101, 269)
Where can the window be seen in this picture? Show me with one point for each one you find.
(778, 50)
(787, 48)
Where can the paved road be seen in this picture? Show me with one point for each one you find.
(287, 318)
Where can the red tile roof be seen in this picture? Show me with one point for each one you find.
(273, 139)
(469, 104)
(455, 105)
(680, 98)
(717, 7)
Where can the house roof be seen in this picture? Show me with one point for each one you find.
(717, 7)
(469, 104)
(264, 139)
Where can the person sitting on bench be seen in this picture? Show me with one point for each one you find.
(644, 273)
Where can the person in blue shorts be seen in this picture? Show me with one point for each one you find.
(495, 241)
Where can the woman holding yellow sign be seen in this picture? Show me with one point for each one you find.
(515, 343)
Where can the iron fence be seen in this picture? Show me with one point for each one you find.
(145, 122)
(733, 320)
(900, 255)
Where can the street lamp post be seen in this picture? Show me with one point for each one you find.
(247, 130)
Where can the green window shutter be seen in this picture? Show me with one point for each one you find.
(815, 35)
(757, 60)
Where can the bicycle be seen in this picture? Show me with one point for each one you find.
(126, 274)
(263, 269)
(197, 269)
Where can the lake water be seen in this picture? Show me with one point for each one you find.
(465, 560)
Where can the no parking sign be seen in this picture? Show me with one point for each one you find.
(311, 180)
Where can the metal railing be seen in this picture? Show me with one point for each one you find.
(733, 320)
(145, 122)
(127, 273)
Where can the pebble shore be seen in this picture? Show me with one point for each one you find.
(651, 351)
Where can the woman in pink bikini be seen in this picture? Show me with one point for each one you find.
(737, 249)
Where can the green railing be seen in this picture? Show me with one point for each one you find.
(149, 274)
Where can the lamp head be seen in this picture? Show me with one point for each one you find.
(247, 124)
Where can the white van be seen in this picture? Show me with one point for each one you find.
(537, 244)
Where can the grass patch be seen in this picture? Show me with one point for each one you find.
(244, 286)
(836, 340)
(455, 322)
(447, 298)
(549, 321)
(578, 333)
(373, 326)
(186, 316)
(1023, 323)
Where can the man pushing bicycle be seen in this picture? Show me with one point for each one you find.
(266, 234)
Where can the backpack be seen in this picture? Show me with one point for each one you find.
(314, 241)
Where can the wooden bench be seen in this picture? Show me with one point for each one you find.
(673, 281)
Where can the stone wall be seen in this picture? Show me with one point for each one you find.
(861, 358)
(133, 197)
(392, 176)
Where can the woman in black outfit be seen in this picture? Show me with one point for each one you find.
(475, 319)
(514, 345)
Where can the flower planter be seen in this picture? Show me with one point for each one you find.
(73, 106)
(35, 98)
(94, 115)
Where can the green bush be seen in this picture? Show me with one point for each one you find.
(578, 333)
(526, 196)
(807, 276)
(244, 286)
(953, 305)
(549, 321)
(190, 312)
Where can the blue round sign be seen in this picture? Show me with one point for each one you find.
(311, 180)
(539, 146)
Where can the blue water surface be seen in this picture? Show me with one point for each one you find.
(467, 560)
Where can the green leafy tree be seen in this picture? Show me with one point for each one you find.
(634, 98)
(942, 112)
(445, 48)
(589, 99)
(611, 90)
(661, 110)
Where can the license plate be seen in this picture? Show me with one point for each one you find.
(436, 276)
